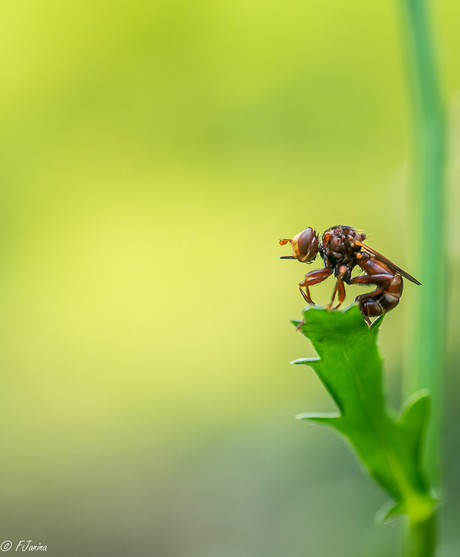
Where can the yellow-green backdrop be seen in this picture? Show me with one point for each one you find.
(152, 153)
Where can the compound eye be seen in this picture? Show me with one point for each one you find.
(306, 239)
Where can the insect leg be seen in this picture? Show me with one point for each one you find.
(369, 305)
(372, 294)
(378, 278)
(381, 279)
(340, 288)
(313, 278)
(366, 317)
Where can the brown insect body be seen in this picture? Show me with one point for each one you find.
(338, 248)
(341, 249)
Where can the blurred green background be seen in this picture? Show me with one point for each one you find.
(151, 156)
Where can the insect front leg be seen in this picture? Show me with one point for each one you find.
(314, 277)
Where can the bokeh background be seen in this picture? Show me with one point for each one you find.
(152, 153)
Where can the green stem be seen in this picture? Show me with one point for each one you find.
(426, 365)
(427, 357)
(421, 538)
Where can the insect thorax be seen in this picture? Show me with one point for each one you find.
(338, 248)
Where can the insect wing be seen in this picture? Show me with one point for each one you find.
(390, 264)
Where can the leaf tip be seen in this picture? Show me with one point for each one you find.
(304, 361)
(389, 512)
(416, 409)
(334, 420)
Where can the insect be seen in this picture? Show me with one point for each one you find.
(342, 249)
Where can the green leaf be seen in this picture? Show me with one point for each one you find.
(350, 368)
(390, 511)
